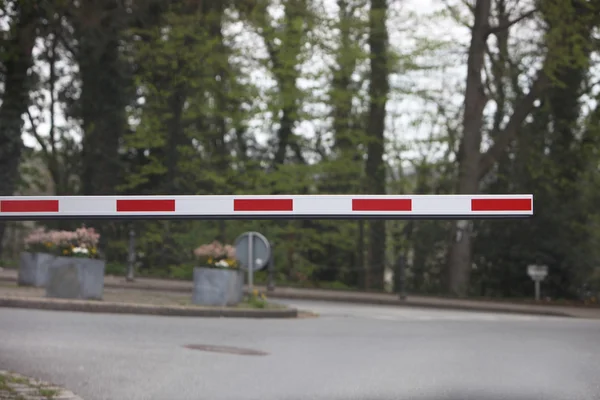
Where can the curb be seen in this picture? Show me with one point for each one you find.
(496, 308)
(412, 304)
(341, 298)
(141, 309)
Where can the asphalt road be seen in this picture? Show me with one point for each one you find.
(350, 352)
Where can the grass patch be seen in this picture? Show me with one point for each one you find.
(247, 303)
(48, 393)
(5, 387)
(9, 264)
(16, 379)
(3, 384)
(7, 382)
(258, 300)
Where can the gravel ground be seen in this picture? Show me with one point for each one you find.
(127, 296)
(18, 387)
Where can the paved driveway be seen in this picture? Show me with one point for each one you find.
(350, 352)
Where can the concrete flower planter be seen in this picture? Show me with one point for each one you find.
(76, 278)
(217, 287)
(33, 269)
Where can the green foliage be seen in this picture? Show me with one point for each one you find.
(567, 39)
(115, 269)
(203, 120)
(183, 271)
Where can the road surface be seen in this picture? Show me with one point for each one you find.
(349, 352)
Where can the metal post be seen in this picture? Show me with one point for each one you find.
(400, 274)
(131, 260)
(271, 272)
(250, 260)
(537, 290)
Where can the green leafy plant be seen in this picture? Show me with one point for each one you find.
(257, 299)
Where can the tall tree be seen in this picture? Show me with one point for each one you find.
(563, 20)
(16, 60)
(375, 166)
(98, 27)
(550, 158)
(470, 157)
(284, 41)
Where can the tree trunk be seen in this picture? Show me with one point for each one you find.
(221, 68)
(101, 106)
(103, 99)
(284, 59)
(375, 167)
(17, 61)
(459, 258)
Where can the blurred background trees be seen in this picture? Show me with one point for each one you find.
(309, 97)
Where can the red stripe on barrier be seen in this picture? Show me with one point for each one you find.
(381, 205)
(28, 206)
(263, 205)
(501, 204)
(145, 205)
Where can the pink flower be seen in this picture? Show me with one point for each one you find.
(230, 251)
(87, 236)
(37, 236)
(82, 237)
(206, 250)
(215, 250)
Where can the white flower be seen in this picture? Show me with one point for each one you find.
(222, 263)
(80, 250)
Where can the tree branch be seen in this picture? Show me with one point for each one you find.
(64, 42)
(521, 111)
(35, 134)
(456, 15)
(500, 27)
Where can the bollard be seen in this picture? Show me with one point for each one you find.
(131, 258)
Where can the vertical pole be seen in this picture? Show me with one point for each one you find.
(131, 263)
(250, 261)
(400, 274)
(537, 290)
(271, 272)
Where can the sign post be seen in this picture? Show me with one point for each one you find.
(271, 272)
(537, 273)
(253, 251)
(131, 259)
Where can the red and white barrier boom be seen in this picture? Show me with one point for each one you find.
(266, 207)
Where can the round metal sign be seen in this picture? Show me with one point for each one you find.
(253, 251)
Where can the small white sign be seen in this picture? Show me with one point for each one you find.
(537, 272)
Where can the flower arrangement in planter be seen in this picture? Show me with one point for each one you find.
(218, 280)
(34, 261)
(82, 242)
(216, 255)
(65, 262)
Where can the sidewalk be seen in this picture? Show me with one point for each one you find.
(164, 285)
